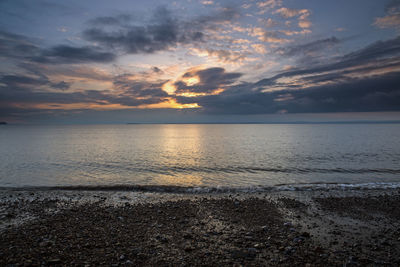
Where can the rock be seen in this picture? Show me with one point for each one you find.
(45, 244)
(258, 245)
(298, 239)
(237, 254)
(54, 261)
(187, 236)
(305, 234)
(289, 250)
(252, 252)
(188, 248)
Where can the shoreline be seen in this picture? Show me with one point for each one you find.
(306, 228)
(195, 189)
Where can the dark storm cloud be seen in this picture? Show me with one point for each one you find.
(137, 92)
(380, 54)
(118, 20)
(358, 95)
(16, 82)
(162, 32)
(375, 93)
(64, 54)
(16, 46)
(29, 90)
(392, 4)
(308, 48)
(210, 80)
(378, 50)
(19, 47)
(23, 95)
(159, 35)
(365, 80)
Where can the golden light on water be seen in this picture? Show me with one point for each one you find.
(176, 143)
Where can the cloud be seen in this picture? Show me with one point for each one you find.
(259, 48)
(291, 33)
(340, 29)
(59, 76)
(33, 92)
(378, 50)
(392, 18)
(264, 6)
(20, 47)
(364, 80)
(304, 24)
(378, 55)
(205, 80)
(269, 22)
(267, 36)
(302, 15)
(16, 46)
(272, 37)
(289, 13)
(163, 32)
(224, 56)
(270, 3)
(160, 35)
(309, 48)
(207, 2)
(63, 29)
(117, 20)
(63, 54)
(16, 82)
(372, 94)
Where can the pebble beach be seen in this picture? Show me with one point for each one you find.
(116, 228)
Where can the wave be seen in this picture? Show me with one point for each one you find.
(216, 189)
(172, 170)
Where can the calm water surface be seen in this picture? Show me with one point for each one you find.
(199, 155)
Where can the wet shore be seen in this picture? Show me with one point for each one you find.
(305, 228)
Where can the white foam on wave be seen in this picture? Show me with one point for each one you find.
(296, 187)
(224, 189)
(339, 186)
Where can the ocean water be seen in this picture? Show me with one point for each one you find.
(200, 155)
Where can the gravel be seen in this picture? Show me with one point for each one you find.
(200, 230)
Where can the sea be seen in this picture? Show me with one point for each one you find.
(200, 157)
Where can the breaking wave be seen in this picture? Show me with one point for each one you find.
(217, 189)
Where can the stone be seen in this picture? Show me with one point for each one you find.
(54, 261)
(305, 234)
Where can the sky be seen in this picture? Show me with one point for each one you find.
(199, 61)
